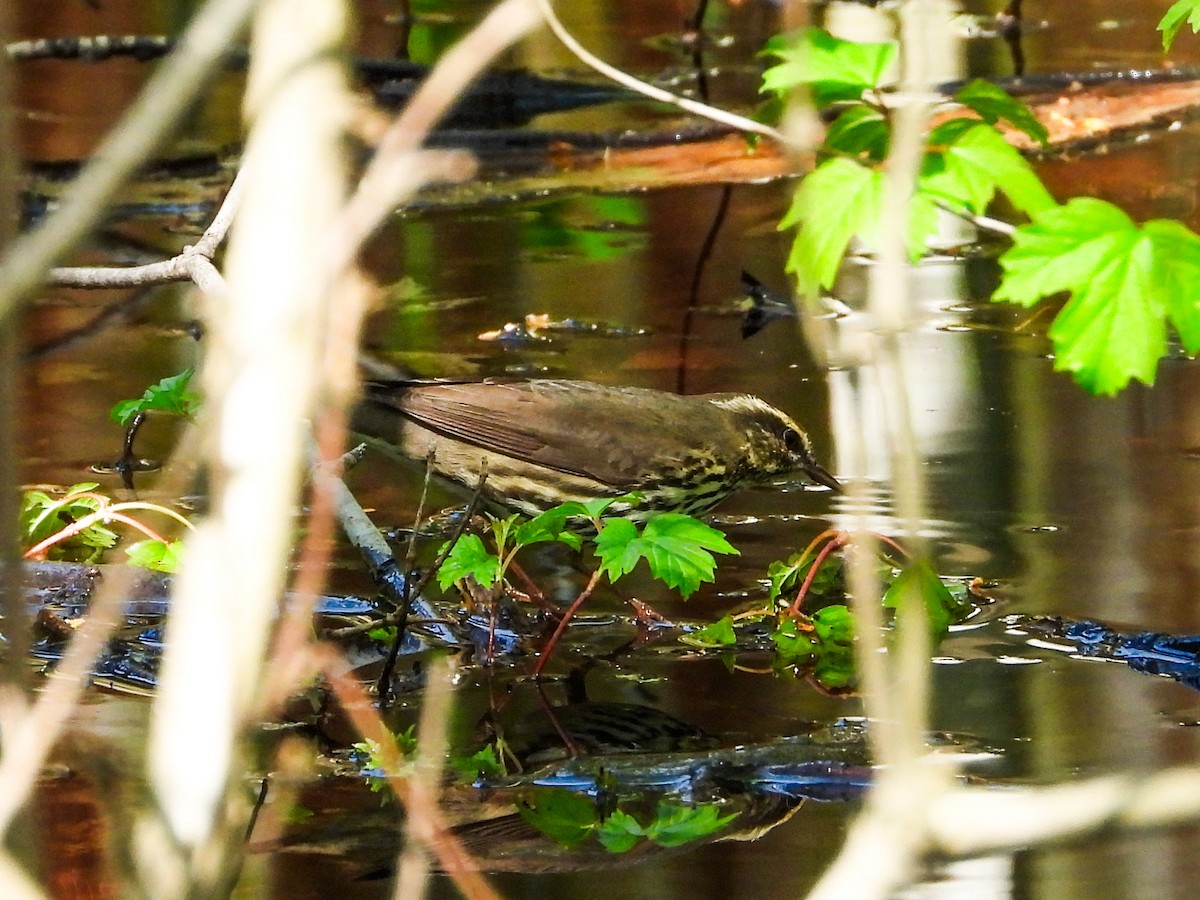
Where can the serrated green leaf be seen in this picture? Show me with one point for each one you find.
(1177, 262)
(834, 69)
(620, 832)
(469, 557)
(1060, 249)
(561, 815)
(792, 643)
(1113, 328)
(548, 526)
(787, 576)
(170, 395)
(919, 583)
(501, 528)
(484, 762)
(675, 825)
(836, 201)
(1173, 19)
(861, 130)
(157, 556)
(719, 634)
(675, 546)
(973, 163)
(825, 646)
(616, 548)
(994, 104)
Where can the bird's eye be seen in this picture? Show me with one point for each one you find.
(793, 440)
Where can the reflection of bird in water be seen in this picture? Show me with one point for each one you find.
(635, 754)
(593, 729)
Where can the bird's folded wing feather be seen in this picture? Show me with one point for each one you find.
(523, 422)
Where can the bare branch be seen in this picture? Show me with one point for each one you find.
(741, 123)
(162, 104)
(193, 263)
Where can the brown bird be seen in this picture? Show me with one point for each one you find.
(548, 441)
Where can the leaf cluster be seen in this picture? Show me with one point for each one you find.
(571, 818)
(677, 548)
(369, 758)
(171, 395)
(43, 515)
(966, 159)
(1126, 284)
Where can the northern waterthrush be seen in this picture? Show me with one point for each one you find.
(548, 441)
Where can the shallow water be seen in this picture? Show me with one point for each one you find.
(1076, 506)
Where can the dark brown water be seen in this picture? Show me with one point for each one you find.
(1077, 506)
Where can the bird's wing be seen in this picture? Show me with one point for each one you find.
(525, 421)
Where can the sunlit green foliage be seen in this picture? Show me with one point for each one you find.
(43, 515)
(822, 642)
(1126, 284)
(719, 634)
(1180, 12)
(966, 160)
(675, 547)
(785, 576)
(171, 396)
(918, 583)
(158, 556)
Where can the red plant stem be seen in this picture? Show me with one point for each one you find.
(105, 515)
(837, 541)
(562, 624)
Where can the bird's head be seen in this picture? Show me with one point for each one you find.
(776, 445)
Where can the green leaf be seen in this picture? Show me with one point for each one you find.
(792, 643)
(1172, 21)
(861, 130)
(1123, 281)
(675, 825)
(919, 583)
(484, 762)
(973, 163)
(620, 832)
(155, 555)
(836, 70)
(836, 201)
(824, 642)
(171, 395)
(993, 104)
(469, 557)
(548, 526)
(500, 531)
(561, 815)
(1177, 263)
(43, 515)
(675, 546)
(719, 634)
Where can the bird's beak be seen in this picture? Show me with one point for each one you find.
(820, 476)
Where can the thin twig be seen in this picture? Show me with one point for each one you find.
(741, 123)
(564, 621)
(193, 263)
(385, 676)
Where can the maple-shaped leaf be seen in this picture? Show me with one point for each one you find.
(1125, 281)
(675, 546)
